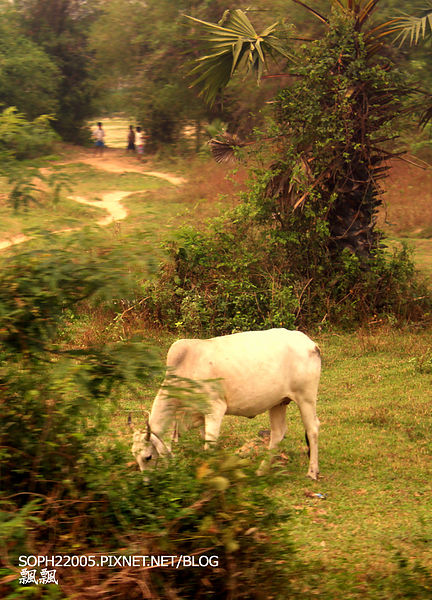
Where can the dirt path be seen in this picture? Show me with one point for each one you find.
(115, 161)
(111, 202)
(112, 162)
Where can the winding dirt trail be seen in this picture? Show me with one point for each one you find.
(119, 163)
(110, 201)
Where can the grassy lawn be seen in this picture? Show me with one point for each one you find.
(375, 461)
(46, 216)
(375, 458)
(156, 206)
(90, 181)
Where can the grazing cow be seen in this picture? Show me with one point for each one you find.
(242, 374)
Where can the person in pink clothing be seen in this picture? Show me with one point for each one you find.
(99, 137)
(139, 142)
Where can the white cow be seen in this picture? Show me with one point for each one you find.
(255, 371)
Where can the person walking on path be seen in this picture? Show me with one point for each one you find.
(99, 137)
(140, 140)
(131, 139)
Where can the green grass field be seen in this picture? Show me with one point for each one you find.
(374, 405)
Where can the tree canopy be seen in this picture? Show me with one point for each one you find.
(61, 29)
(29, 78)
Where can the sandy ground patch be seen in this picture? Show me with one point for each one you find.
(111, 202)
(16, 239)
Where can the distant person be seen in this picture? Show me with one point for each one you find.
(140, 140)
(99, 137)
(131, 139)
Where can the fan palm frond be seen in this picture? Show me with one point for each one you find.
(224, 148)
(234, 47)
(413, 28)
(426, 116)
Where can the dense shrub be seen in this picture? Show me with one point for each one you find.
(21, 138)
(54, 400)
(239, 275)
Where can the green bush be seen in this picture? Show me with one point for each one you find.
(21, 138)
(66, 484)
(55, 400)
(238, 275)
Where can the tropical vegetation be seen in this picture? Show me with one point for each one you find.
(303, 247)
(87, 315)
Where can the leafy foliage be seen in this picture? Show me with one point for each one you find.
(412, 28)
(237, 277)
(303, 249)
(28, 77)
(64, 478)
(38, 287)
(46, 390)
(212, 509)
(333, 149)
(61, 30)
(21, 138)
(142, 50)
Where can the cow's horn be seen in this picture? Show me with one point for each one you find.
(148, 432)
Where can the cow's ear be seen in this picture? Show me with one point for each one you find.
(161, 447)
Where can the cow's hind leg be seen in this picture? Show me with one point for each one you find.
(311, 424)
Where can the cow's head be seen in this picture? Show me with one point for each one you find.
(147, 447)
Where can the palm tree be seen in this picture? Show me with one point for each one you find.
(238, 48)
(337, 174)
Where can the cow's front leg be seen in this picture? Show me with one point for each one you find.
(277, 424)
(175, 432)
(213, 420)
(277, 433)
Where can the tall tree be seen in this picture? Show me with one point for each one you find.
(142, 56)
(334, 121)
(139, 48)
(61, 28)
